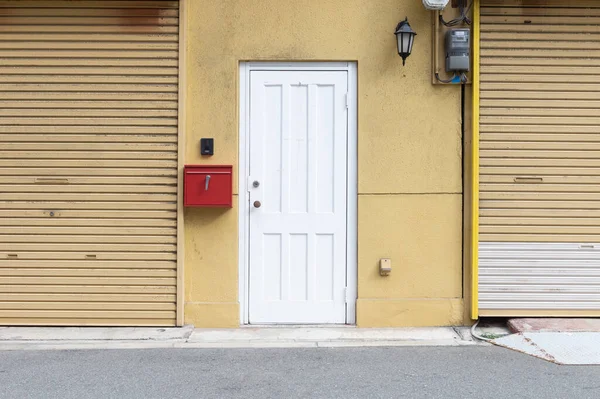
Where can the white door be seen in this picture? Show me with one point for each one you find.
(298, 187)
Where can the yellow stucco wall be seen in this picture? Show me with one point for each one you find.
(409, 151)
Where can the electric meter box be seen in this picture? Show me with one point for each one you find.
(458, 50)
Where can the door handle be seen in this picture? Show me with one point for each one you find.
(206, 181)
(257, 204)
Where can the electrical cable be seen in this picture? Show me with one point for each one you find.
(462, 170)
(462, 173)
(477, 336)
(462, 77)
(462, 19)
(467, 20)
(437, 76)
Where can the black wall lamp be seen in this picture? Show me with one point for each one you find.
(405, 37)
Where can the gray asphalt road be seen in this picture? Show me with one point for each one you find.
(405, 372)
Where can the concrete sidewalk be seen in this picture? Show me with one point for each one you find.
(66, 338)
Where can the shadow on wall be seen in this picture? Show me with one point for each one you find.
(204, 217)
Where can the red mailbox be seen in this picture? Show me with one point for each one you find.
(207, 186)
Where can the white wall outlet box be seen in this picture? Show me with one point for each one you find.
(385, 266)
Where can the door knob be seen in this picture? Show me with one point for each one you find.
(257, 204)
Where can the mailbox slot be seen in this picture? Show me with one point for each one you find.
(207, 186)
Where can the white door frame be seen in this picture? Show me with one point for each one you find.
(352, 176)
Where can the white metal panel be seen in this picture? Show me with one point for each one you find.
(298, 154)
(539, 276)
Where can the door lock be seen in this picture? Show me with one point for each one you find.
(256, 183)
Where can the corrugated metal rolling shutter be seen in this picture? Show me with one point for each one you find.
(540, 156)
(88, 162)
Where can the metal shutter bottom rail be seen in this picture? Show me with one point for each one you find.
(539, 241)
(88, 162)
